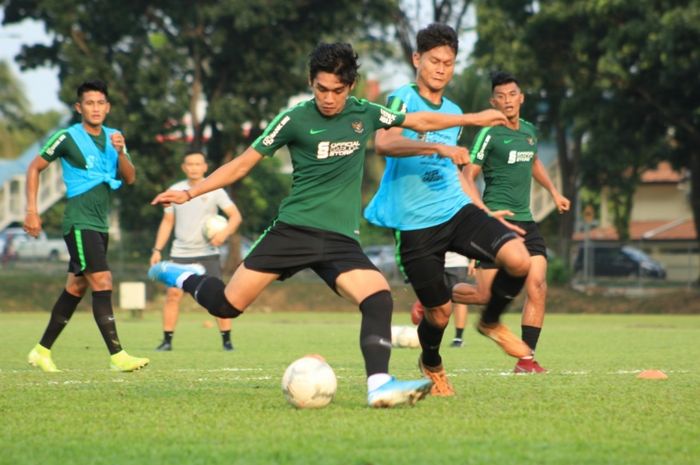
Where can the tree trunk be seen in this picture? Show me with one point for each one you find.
(568, 164)
(695, 194)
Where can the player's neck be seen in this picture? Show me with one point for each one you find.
(514, 123)
(92, 129)
(192, 182)
(431, 95)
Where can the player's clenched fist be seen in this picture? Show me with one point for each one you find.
(459, 155)
(489, 117)
(118, 142)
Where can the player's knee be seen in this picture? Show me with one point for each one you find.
(77, 288)
(101, 281)
(517, 263)
(439, 316)
(173, 295)
(537, 288)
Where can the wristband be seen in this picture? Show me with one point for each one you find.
(155, 250)
(189, 196)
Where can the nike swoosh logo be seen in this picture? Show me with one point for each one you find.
(507, 141)
(316, 131)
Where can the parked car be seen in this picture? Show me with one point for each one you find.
(615, 260)
(10, 238)
(16, 244)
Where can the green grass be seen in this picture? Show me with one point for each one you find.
(199, 405)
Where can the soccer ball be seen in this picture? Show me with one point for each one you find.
(395, 331)
(213, 225)
(408, 337)
(309, 382)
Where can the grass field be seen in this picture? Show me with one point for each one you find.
(199, 405)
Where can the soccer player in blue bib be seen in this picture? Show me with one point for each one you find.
(317, 226)
(95, 162)
(429, 204)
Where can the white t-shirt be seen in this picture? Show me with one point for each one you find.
(189, 218)
(455, 260)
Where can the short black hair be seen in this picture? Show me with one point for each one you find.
(337, 58)
(436, 35)
(498, 78)
(189, 154)
(94, 85)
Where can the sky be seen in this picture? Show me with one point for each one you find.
(40, 85)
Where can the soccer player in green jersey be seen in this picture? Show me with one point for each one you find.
(507, 157)
(93, 158)
(318, 223)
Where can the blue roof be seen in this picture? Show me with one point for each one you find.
(11, 168)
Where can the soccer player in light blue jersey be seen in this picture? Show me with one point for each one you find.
(434, 209)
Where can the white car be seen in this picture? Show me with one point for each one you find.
(17, 244)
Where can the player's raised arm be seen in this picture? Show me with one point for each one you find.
(423, 121)
(390, 143)
(223, 176)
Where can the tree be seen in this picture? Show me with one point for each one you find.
(553, 48)
(408, 13)
(19, 127)
(652, 54)
(224, 63)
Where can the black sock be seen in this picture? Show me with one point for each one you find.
(503, 290)
(430, 338)
(458, 333)
(226, 336)
(531, 334)
(209, 293)
(168, 336)
(104, 317)
(60, 315)
(375, 332)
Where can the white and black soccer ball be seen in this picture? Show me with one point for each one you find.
(309, 382)
(212, 225)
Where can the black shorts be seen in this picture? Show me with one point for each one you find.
(211, 263)
(286, 249)
(88, 251)
(471, 232)
(534, 243)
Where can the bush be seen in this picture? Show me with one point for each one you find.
(557, 272)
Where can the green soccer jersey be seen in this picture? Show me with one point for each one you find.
(328, 155)
(506, 157)
(91, 209)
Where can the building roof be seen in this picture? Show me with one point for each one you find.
(663, 173)
(654, 230)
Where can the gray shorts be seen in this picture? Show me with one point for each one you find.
(455, 275)
(211, 263)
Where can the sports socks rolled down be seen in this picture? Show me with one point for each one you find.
(530, 335)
